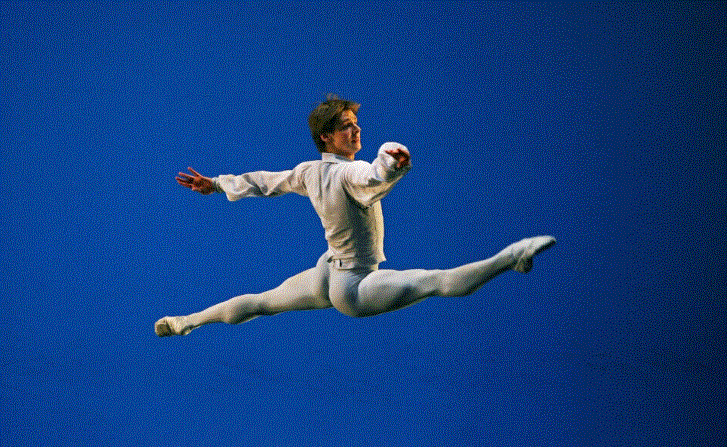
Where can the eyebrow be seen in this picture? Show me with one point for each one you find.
(346, 122)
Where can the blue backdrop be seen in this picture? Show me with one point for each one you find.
(602, 124)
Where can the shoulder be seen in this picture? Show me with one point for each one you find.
(306, 165)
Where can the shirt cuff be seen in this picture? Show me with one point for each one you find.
(390, 162)
(216, 182)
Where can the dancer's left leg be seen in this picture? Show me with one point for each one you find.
(387, 290)
(365, 293)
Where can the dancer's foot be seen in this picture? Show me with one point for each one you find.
(526, 249)
(168, 326)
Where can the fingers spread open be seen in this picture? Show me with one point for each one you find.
(184, 182)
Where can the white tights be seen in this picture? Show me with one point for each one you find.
(357, 292)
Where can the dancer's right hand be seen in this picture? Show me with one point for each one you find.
(196, 182)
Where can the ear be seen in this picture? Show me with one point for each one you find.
(325, 137)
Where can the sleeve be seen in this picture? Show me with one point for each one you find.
(262, 183)
(367, 183)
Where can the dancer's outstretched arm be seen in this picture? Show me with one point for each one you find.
(367, 183)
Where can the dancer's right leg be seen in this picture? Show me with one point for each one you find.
(304, 291)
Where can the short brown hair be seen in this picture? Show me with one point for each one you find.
(326, 115)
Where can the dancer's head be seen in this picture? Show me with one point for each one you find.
(334, 127)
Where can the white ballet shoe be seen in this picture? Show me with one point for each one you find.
(524, 251)
(169, 326)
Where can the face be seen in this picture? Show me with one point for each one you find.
(345, 140)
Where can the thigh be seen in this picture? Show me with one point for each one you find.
(367, 292)
(388, 290)
(306, 290)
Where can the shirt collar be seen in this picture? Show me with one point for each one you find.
(333, 158)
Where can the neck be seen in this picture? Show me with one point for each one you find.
(340, 154)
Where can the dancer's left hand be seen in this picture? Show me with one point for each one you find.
(401, 155)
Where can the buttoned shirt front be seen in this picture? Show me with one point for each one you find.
(346, 195)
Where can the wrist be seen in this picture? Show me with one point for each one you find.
(216, 187)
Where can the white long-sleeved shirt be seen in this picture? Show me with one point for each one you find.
(346, 195)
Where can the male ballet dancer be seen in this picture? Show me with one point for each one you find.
(346, 195)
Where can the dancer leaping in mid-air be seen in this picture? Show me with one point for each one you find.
(346, 194)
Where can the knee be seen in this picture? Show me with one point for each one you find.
(245, 308)
(447, 285)
(450, 284)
